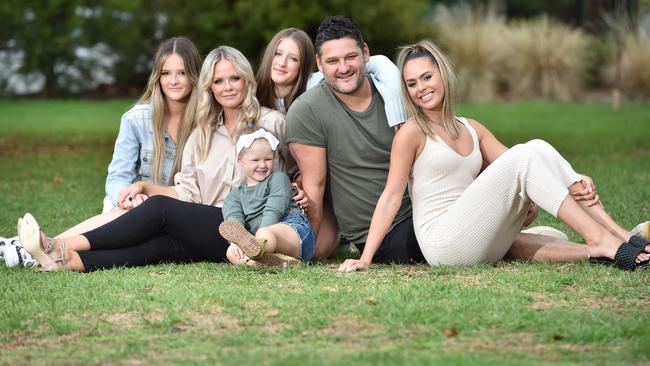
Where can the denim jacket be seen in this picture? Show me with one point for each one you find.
(133, 154)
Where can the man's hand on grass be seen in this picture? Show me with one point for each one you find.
(351, 265)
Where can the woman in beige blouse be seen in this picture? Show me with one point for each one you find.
(179, 223)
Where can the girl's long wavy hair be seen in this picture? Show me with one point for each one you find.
(428, 49)
(154, 95)
(208, 109)
(266, 87)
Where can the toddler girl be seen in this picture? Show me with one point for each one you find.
(263, 205)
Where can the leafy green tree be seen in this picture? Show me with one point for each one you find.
(249, 24)
(47, 33)
(130, 28)
(51, 33)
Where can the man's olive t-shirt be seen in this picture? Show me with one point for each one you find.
(358, 154)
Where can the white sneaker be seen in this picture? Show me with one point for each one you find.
(546, 230)
(643, 229)
(15, 255)
(3, 242)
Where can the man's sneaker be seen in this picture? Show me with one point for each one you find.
(344, 247)
(546, 230)
(643, 230)
(15, 255)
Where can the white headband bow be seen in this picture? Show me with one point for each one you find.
(245, 141)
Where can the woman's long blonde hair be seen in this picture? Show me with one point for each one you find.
(208, 109)
(266, 86)
(428, 49)
(154, 95)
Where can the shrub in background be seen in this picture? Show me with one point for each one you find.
(546, 59)
(471, 37)
(628, 69)
(635, 66)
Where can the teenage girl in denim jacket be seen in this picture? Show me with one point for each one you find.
(151, 134)
(154, 131)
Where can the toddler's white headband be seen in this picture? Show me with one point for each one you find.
(245, 141)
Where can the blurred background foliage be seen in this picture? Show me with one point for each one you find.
(104, 47)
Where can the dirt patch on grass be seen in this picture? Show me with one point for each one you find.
(413, 271)
(131, 319)
(522, 342)
(122, 318)
(412, 332)
(614, 304)
(35, 341)
(214, 319)
(474, 281)
(545, 305)
(349, 327)
(600, 303)
(135, 362)
(271, 328)
(644, 152)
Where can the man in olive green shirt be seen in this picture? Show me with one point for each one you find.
(338, 133)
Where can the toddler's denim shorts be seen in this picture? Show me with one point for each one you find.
(302, 227)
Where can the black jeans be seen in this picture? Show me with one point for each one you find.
(399, 246)
(162, 229)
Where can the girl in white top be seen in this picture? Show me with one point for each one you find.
(461, 217)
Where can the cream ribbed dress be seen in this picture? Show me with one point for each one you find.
(461, 217)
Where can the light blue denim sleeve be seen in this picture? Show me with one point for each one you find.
(122, 170)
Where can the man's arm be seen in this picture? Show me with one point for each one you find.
(312, 162)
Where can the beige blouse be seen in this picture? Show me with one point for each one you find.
(209, 181)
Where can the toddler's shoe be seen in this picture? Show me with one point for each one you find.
(238, 235)
(278, 260)
(254, 248)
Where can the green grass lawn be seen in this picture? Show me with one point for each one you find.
(53, 159)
